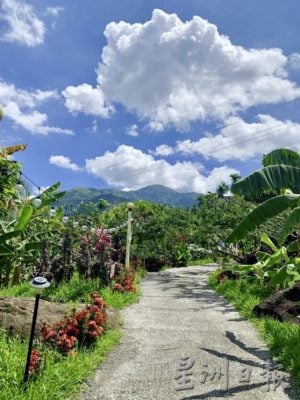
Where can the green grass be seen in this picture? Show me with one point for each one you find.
(77, 291)
(200, 261)
(62, 376)
(283, 339)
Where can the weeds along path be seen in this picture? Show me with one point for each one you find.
(181, 328)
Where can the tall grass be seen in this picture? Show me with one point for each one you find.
(61, 377)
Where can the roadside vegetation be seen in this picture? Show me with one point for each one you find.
(252, 229)
(272, 273)
(282, 338)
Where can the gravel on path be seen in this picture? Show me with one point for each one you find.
(182, 341)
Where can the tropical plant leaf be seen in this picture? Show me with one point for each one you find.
(59, 214)
(50, 190)
(282, 156)
(273, 177)
(261, 214)
(9, 235)
(280, 276)
(5, 250)
(24, 217)
(292, 247)
(276, 258)
(290, 224)
(266, 240)
(242, 268)
(261, 255)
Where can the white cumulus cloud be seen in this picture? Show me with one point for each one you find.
(294, 60)
(163, 150)
(132, 130)
(20, 23)
(242, 140)
(173, 73)
(64, 162)
(21, 107)
(130, 168)
(88, 100)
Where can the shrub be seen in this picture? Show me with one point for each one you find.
(124, 281)
(80, 329)
(35, 362)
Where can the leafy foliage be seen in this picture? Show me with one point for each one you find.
(278, 268)
(76, 199)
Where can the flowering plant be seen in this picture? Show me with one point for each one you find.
(35, 362)
(103, 241)
(124, 281)
(81, 328)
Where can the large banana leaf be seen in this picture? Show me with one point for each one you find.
(277, 258)
(292, 221)
(282, 156)
(50, 190)
(24, 217)
(266, 240)
(47, 201)
(261, 214)
(274, 177)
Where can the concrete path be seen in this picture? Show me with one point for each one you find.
(184, 342)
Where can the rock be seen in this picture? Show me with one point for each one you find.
(16, 314)
(283, 305)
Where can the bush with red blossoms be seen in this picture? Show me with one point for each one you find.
(35, 362)
(124, 281)
(80, 329)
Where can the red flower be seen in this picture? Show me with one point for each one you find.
(35, 361)
(99, 302)
(81, 328)
(118, 287)
(92, 325)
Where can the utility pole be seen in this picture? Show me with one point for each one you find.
(129, 235)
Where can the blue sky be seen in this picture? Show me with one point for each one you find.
(131, 93)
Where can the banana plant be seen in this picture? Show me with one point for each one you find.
(277, 268)
(12, 245)
(281, 173)
(21, 235)
(281, 170)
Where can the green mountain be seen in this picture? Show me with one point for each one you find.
(155, 194)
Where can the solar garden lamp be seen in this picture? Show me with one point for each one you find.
(65, 219)
(20, 190)
(52, 212)
(37, 202)
(84, 228)
(39, 284)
